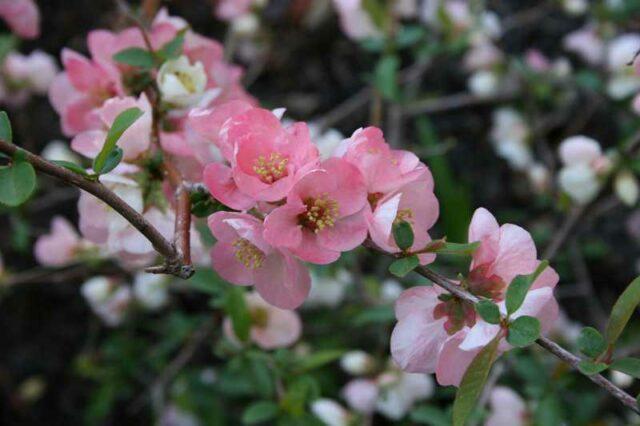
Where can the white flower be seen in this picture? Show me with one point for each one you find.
(107, 301)
(483, 83)
(150, 290)
(327, 141)
(328, 291)
(539, 177)
(36, 70)
(390, 290)
(621, 379)
(400, 390)
(626, 188)
(621, 51)
(182, 83)
(575, 7)
(245, 25)
(357, 362)
(96, 290)
(330, 412)
(579, 182)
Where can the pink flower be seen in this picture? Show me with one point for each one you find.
(134, 141)
(323, 214)
(361, 395)
(537, 61)
(243, 257)
(438, 332)
(271, 327)
(22, 16)
(265, 158)
(587, 44)
(399, 187)
(60, 246)
(231, 9)
(507, 408)
(355, 20)
(36, 71)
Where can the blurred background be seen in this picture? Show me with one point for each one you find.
(483, 91)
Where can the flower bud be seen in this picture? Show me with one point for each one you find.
(357, 362)
(330, 412)
(182, 83)
(626, 187)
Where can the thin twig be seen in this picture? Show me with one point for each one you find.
(174, 263)
(561, 235)
(457, 101)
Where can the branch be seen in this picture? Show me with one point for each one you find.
(457, 101)
(545, 343)
(174, 264)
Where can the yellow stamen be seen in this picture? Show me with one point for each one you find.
(248, 254)
(321, 213)
(272, 168)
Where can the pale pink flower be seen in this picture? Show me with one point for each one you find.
(444, 334)
(243, 257)
(399, 391)
(583, 162)
(537, 61)
(60, 246)
(22, 16)
(323, 215)
(355, 20)
(227, 10)
(134, 141)
(265, 158)
(361, 395)
(35, 71)
(271, 327)
(586, 43)
(507, 408)
(399, 187)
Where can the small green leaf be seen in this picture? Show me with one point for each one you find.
(111, 162)
(71, 167)
(520, 286)
(473, 381)
(457, 248)
(8, 43)
(123, 121)
(259, 412)
(6, 133)
(430, 415)
(382, 314)
(590, 368)
(590, 342)
(403, 235)
(622, 310)
(17, 182)
(523, 331)
(317, 360)
(488, 311)
(630, 366)
(135, 57)
(173, 48)
(386, 76)
(404, 265)
(236, 308)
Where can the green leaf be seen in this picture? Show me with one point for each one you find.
(236, 308)
(8, 43)
(382, 314)
(430, 415)
(71, 167)
(409, 35)
(17, 182)
(523, 331)
(404, 265)
(6, 133)
(123, 121)
(317, 360)
(386, 76)
(135, 57)
(112, 160)
(173, 48)
(590, 368)
(259, 412)
(622, 310)
(473, 381)
(207, 281)
(457, 248)
(488, 311)
(519, 288)
(630, 366)
(403, 235)
(590, 342)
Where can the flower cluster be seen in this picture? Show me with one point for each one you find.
(295, 208)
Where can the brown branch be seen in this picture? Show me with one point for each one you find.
(456, 101)
(173, 261)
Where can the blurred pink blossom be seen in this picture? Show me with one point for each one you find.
(22, 16)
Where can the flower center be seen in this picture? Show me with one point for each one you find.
(373, 199)
(458, 313)
(321, 212)
(481, 284)
(259, 317)
(187, 81)
(271, 168)
(248, 254)
(403, 215)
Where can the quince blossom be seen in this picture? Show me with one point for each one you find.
(60, 246)
(439, 333)
(507, 408)
(583, 163)
(22, 16)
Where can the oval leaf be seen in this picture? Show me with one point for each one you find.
(489, 311)
(135, 57)
(523, 331)
(473, 382)
(630, 366)
(123, 121)
(259, 412)
(403, 235)
(6, 133)
(111, 162)
(237, 310)
(590, 368)
(520, 286)
(17, 183)
(622, 310)
(404, 265)
(590, 342)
